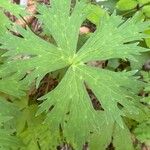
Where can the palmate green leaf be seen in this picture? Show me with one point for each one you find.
(65, 27)
(110, 133)
(122, 140)
(102, 139)
(36, 134)
(39, 136)
(78, 104)
(10, 86)
(7, 139)
(69, 102)
(115, 37)
(37, 57)
(3, 23)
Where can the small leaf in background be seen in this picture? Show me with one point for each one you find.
(142, 132)
(96, 14)
(146, 100)
(124, 5)
(146, 78)
(147, 39)
(146, 11)
(141, 2)
(141, 59)
(113, 64)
